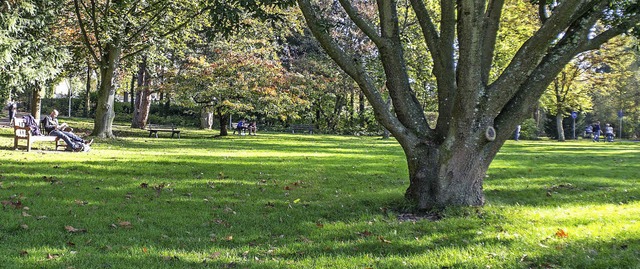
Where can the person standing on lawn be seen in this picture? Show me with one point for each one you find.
(74, 142)
(13, 108)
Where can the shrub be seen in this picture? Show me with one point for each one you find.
(529, 130)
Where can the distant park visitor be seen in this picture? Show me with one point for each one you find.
(12, 106)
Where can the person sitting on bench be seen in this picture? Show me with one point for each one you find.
(74, 142)
(240, 128)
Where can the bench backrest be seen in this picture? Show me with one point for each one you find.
(302, 126)
(19, 128)
(158, 126)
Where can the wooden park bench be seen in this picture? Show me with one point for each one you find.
(301, 128)
(155, 128)
(234, 127)
(22, 132)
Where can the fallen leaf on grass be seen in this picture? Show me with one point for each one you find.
(228, 238)
(51, 180)
(145, 250)
(52, 256)
(125, 224)
(214, 255)
(15, 204)
(365, 233)
(25, 214)
(24, 226)
(384, 240)
(80, 202)
(71, 229)
(319, 225)
(561, 234)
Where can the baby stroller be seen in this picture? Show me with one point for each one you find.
(609, 137)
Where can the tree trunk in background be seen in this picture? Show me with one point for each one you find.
(36, 101)
(206, 118)
(143, 97)
(361, 100)
(87, 92)
(559, 126)
(103, 122)
(132, 93)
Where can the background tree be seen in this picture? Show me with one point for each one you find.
(614, 82)
(567, 93)
(117, 30)
(30, 55)
(477, 113)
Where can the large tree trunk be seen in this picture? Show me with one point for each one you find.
(105, 114)
(559, 127)
(224, 121)
(36, 101)
(439, 178)
(143, 97)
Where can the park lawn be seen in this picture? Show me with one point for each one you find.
(309, 201)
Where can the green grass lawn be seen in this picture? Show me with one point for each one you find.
(308, 201)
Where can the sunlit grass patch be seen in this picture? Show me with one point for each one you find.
(308, 201)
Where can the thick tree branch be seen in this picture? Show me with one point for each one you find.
(549, 67)
(607, 35)
(441, 50)
(366, 27)
(406, 106)
(429, 31)
(85, 37)
(94, 23)
(352, 67)
(534, 50)
(468, 68)
(542, 11)
(490, 34)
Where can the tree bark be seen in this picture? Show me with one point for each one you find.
(560, 127)
(143, 97)
(224, 121)
(87, 94)
(36, 101)
(206, 118)
(438, 178)
(103, 123)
